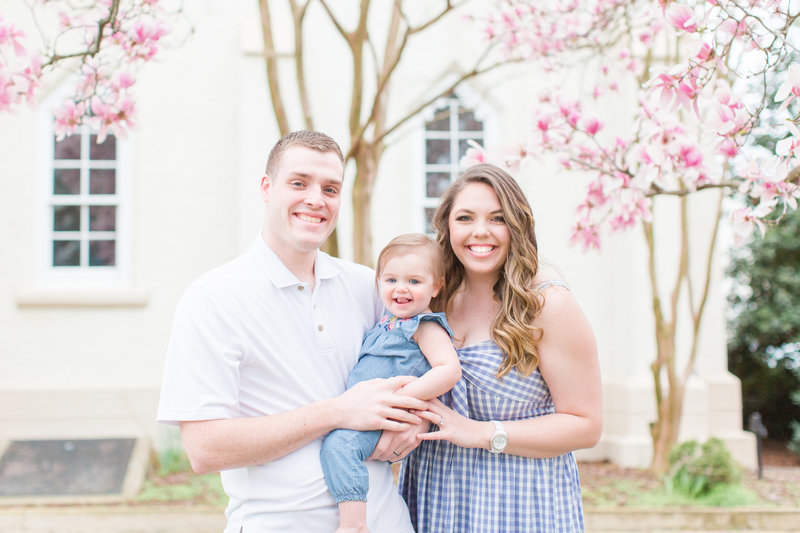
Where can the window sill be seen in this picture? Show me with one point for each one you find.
(81, 298)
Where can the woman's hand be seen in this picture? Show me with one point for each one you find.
(453, 427)
(394, 446)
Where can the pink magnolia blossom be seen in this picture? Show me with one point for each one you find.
(729, 148)
(592, 126)
(789, 89)
(746, 220)
(474, 155)
(706, 52)
(788, 147)
(587, 235)
(68, 118)
(682, 17)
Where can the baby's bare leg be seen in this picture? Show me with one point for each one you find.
(353, 517)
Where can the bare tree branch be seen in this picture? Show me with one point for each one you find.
(464, 77)
(449, 6)
(357, 39)
(94, 48)
(298, 14)
(276, 97)
(335, 21)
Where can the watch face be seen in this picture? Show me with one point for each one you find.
(499, 442)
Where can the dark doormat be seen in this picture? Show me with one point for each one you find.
(65, 467)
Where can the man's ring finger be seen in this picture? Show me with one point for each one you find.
(441, 421)
(395, 452)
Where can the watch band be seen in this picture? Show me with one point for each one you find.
(499, 439)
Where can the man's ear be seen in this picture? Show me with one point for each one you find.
(265, 184)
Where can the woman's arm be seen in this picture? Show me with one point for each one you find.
(569, 364)
(435, 344)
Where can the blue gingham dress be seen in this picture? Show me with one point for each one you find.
(450, 489)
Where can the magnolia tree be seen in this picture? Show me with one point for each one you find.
(703, 76)
(102, 43)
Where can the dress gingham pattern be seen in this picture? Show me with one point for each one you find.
(459, 490)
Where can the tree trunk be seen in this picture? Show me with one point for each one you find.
(366, 160)
(331, 246)
(665, 429)
(667, 384)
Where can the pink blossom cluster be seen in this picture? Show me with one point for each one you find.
(104, 43)
(19, 70)
(695, 111)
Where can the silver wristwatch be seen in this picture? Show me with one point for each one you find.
(499, 439)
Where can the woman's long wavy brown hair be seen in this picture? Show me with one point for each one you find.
(520, 303)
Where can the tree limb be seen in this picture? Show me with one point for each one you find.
(298, 14)
(464, 76)
(94, 48)
(276, 98)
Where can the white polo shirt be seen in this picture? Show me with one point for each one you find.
(250, 339)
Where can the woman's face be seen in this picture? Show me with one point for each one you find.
(478, 232)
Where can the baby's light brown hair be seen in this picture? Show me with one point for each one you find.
(413, 242)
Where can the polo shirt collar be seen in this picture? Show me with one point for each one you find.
(276, 271)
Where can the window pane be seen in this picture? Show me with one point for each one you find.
(66, 253)
(102, 181)
(436, 183)
(437, 151)
(66, 181)
(441, 120)
(468, 122)
(106, 150)
(68, 148)
(429, 220)
(102, 253)
(102, 218)
(67, 218)
(463, 146)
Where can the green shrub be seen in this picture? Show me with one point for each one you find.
(794, 443)
(696, 470)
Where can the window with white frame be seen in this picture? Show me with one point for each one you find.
(83, 204)
(447, 137)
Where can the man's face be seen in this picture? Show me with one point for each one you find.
(302, 200)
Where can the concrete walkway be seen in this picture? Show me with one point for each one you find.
(113, 519)
(659, 519)
(183, 519)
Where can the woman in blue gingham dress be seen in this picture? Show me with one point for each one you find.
(500, 459)
(453, 489)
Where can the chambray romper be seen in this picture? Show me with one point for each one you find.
(387, 351)
(450, 489)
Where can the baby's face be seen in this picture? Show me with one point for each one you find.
(407, 284)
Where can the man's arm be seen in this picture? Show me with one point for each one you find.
(214, 445)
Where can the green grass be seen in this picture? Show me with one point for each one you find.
(206, 489)
(170, 479)
(719, 496)
(634, 494)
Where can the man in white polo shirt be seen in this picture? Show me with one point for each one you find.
(260, 352)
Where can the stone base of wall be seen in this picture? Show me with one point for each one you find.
(712, 408)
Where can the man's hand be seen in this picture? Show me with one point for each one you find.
(373, 404)
(394, 446)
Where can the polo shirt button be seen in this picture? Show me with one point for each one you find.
(300, 287)
(320, 327)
